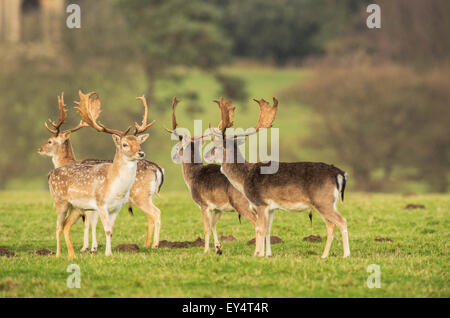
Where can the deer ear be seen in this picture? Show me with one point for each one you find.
(142, 138)
(65, 135)
(116, 139)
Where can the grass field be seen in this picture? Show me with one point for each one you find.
(415, 264)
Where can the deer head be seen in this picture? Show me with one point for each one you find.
(128, 146)
(186, 142)
(266, 117)
(59, 141)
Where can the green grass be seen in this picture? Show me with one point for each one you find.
(415, 264)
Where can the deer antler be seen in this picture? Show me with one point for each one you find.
(265, 120)
(144, 126)
(266, 113)
(61, 116)
(226, 114)
(89, 109)
(80, 125)
(175, 102)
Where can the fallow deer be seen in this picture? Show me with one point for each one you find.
(294, 186)
(209, 188)
(103, 188)
(148, 181)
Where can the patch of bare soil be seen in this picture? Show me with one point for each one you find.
(227, 238)
(43, 251)
(312, 238)
(383, 239)
(127, 248)
(184, 244)
(409, 194)
(5, 252)
(273, 240)
(7, 284)
(412, 206)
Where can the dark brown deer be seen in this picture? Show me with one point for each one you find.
(294, 186)
(209, 188)
(103, 188)
(148, 181)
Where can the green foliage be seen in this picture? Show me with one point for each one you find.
(415, 264)
(286, 29)
(233, 87)
(381, 116)
(175, 33)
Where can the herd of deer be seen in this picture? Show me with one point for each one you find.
(93, 188)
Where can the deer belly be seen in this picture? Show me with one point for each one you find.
(222, 207)
(81, 199)
(84, 203)
(288, 206)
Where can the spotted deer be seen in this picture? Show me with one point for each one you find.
(209, 188)
(148, 181)
(295, 186)
(103, 188)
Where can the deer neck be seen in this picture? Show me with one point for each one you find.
(65, 156)
(121, 175)
(235, 169)
(188, 169)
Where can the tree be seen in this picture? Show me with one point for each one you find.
(171, 33)
(381, 116)
(284, 30)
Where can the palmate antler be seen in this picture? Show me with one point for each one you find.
(89, 110)
(62, 115)
(61, 119)
(266, 116)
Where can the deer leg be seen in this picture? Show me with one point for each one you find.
(260, 230)
(155, 215)
(70, 220)
(86, 233)
(270, 215)
(154, 221)
(149, 228)
(112, 220)
(215, 218)
(94, 219)
(61, 210)
(107, 227)
(333, 216)
(157, 222)
(206, 223)
(330, 231)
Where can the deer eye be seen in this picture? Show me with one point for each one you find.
(49, 142)
(125, 145)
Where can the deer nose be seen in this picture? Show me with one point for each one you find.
(141, 154)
